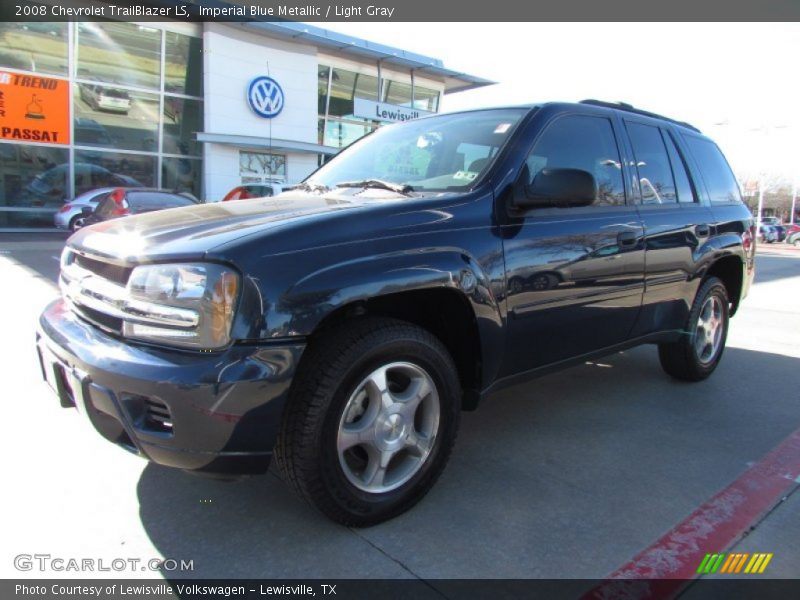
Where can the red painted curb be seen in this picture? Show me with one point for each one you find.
(667, 566)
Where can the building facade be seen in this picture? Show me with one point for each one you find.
(197, 107)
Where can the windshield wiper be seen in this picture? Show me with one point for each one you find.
(400, 188)
(311, 187)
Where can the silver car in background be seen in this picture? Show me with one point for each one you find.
(71, 216)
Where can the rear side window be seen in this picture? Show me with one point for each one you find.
(717, 175)
(682, 182)
(99, 197)
(652, 163)
(155, 200)
(582, 142)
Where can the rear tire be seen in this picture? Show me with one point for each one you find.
(372, 418)
(695, 356)
(77, 222)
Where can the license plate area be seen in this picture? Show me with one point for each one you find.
(64, 388)
(67, 383)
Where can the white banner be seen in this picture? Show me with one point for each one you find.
(381, 111)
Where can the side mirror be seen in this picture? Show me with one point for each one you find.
(556, 187)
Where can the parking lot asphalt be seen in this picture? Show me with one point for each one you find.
(569, 476)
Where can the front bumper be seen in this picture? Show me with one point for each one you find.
(214, 412)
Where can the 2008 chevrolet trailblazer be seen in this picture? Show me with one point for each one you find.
(345, 324)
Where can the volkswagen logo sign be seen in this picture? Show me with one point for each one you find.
(265, 97)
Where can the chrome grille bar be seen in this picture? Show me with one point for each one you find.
(83, 288)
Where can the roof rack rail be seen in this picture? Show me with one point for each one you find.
(630, 108)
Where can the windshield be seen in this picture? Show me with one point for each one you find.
(446, 152)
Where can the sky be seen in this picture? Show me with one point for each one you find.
(739, 83)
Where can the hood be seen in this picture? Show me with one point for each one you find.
(189, 232)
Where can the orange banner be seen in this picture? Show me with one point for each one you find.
(34, 109)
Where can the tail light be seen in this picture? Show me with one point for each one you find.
(65, 208)
(118, 196)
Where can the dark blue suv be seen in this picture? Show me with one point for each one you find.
(344, 325)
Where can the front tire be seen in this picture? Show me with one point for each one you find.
(372, 417)
(695, 356)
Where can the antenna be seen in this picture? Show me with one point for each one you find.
(270, 125)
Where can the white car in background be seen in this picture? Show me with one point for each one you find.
(71, 216)
(100, 97)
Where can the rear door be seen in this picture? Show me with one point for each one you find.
(574, 276)
(733, 223)
(676, 222)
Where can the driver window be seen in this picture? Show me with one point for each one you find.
(582, 142)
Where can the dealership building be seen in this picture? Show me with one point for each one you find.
(198, 107)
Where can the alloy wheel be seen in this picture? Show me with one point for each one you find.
(388, 427)
(708, 333)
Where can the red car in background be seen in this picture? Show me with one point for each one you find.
(253, 190)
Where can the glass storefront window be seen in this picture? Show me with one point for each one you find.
(341, 133)
(345, 85)
(32, 177)
(426, 99)
(35, 47)
(183, 64)
(321, 130)
(115, 118)
(261, 167)
(181, 175)
(95, 169)
(395, 92)
(182, 120)
(124, 126)
(342, 127)
(121, 53)
(323, 74)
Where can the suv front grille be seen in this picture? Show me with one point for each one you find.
(106, 270)
(97, 291)
(90, 286)
(101, 319)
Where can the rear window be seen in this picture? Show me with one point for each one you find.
(112, 93)
(721, 184)
(151, 200)
(257, 191)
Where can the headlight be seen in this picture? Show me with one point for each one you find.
(188, 305)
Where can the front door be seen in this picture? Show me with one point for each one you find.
(574, 276)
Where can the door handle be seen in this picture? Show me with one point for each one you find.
(627, 239)
(702, 230)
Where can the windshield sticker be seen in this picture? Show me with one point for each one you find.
(502, 128)
(468, 175)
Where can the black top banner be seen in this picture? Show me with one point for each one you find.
(400, 10)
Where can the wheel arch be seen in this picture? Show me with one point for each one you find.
(453, 322)
(730, 270)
